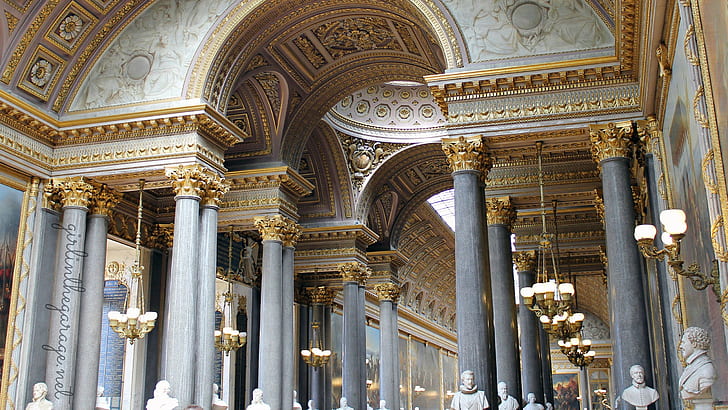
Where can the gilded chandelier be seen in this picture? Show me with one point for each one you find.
(550, 298)
(227, 338)
(578, 351)
(135, 323)
(315, 355)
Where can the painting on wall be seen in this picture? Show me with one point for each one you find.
(404, 372)
(426, 373)
(373, 357)
(566, 391)
(10, 208)
(450, 378)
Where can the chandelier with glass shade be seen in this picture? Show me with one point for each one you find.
(550, 298)
(578, 351)
(135, 323)
(228, 338)
(315, 355)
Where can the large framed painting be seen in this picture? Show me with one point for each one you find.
(10, 211)
(566, 391)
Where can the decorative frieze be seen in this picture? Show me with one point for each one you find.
(525, 260)
(500, 211)
(387, 291)
(162, 236)
(611, 140)
(467, 154)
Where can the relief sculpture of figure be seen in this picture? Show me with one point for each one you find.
(469, 397)
(639, 394)
(699, 373)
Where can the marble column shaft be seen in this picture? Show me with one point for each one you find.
(180, 325)
(395, 354)
(501, 216)
(351, 372)
(386, 374)
(362, 348)
(270, 378)
(548, 383)
(627, 307)
(92, 310)
(67, 289)
(287, 324)
(206, 305)
(532, 376)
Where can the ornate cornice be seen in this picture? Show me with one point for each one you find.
(187, 180)
(277, 177)
(599, 205)
(467, 154)
(525, 260)
(103, 200)
(73, 191)
(274, 227)
(320, 295)
(611, 140)
(358, 233)
(354, 272)
(500, 211)
(213, 191)
(387, 291)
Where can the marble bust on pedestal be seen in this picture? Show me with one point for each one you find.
(699, 373)
(469, 397)
(507, 402)
(344, 404)
(217, 403)
(40, 391)
(638, 394)
(382, 405)
(532, 405)
(257, 402)
(162, 399)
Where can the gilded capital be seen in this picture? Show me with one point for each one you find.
(354, 272)
(162, 236)
(500, 211)
(214, 189)
(467, 154)
(51, 198)
(291, 235)
(103, 200)
(648, 131)
(387, 291)
(187, 180)
(525, 260)
(321, 295)
(273, 227)
(611, 140)
(73, 191)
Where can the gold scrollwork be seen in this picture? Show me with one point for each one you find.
(500, 211)
(273, 227)
(691, 57)
(715, 228)
(699, 117)
(354, 272)
(710, 185)
(724, 307)
(187, 180)
(213, 191)
(525, 260)
(467, 154)
(611, 140)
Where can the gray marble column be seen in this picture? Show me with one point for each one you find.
(92, 299)
(287, 289)
(531, 373)
(388, 293)
(362, 339)
(321, 299)
(213, 191)
(353, 274)
(611, 144)
(501, 216)
(67, 289)
(476, 343)
(181, 321)
(270, 364)
(548, 382)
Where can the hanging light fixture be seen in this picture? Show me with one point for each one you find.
(315, 355)
(550, 298)
(135, 323)
(578, 351)
(227, 338)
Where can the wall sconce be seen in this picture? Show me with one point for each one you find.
(674, 227)
(315, 355)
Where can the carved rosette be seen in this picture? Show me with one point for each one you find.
(525, 260)
(387, 291)
(501, 211)
(321, 295)
(274, 227)
(103, 200)
(354, 272)
(162, 236)
(611, 140)
(73, 191)
(291, 236)
(214, 189)
(467, 154)
(187, 180)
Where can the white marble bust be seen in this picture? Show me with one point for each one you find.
(344, 404)
(40, 391)
(102, 403)
(162, 399)
(699, 374)
(639, 394)
(531, 403)
(217, 403)
(507, 402)
(469, 397)
(382, 405)
(257, 402)
(296, 404)
(311, 405)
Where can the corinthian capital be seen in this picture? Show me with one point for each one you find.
(387, 291)
(214, 189)
(354, 272)
(73, 191)
(187, 180)
(320, 295)
(273, 227)
(467, 154)
(649, 132)
(103, 200)
(291, 235)
(525, 260)
(500, 211)
(611, 140)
